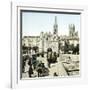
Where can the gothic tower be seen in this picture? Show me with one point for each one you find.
(55, 27)
(71, 30)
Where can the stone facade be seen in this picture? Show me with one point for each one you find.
(51, 39)
(72, 32)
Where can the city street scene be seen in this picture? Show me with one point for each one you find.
(50, 45)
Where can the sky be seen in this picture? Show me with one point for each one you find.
(35, 22)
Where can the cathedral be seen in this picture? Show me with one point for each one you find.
(51, 39)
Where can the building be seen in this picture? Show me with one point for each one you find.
(51, 39)
(72, 32)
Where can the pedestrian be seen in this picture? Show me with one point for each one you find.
(49, 58)
(30, 71)
(55, 74)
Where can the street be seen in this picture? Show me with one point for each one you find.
(56, 69)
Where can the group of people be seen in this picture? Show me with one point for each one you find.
(51, 57)
(35, 68)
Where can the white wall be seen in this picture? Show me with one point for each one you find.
(5, 43)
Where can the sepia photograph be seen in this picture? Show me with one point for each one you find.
(50, 44)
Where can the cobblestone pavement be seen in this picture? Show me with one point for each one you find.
(57, 67)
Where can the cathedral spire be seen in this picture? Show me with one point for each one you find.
(55, 26)
(55, 20)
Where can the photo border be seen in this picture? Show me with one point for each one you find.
(16, 44)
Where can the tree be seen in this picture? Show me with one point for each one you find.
(35, 48)
(71, 47)
(66, 47)
(77, 49)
